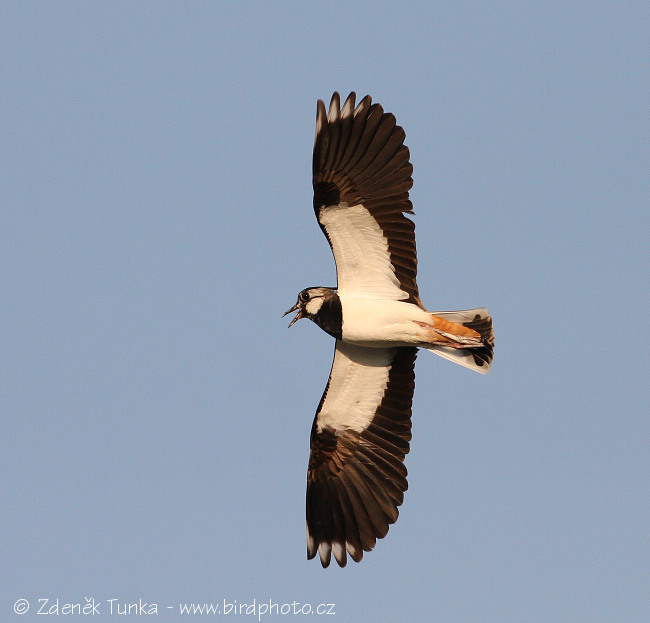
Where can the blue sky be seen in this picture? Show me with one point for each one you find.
(156, 199)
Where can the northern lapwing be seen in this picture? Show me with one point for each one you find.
(356, 476)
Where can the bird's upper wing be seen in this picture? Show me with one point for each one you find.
(361, 178)
(356, 477)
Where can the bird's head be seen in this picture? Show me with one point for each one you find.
(309, 303)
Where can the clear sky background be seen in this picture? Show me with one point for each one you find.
(155, 188)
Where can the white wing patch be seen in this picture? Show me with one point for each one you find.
(361, 253)
(357, 384)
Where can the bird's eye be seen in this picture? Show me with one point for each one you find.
(304, 296)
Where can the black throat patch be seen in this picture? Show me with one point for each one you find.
(330, 316)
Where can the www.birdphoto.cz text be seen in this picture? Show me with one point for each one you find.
(92, 607)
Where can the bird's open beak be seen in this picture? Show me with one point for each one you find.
(293, 309)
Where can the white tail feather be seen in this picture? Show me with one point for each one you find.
(461, 356)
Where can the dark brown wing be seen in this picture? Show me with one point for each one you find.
(360, 436)
(361, 178)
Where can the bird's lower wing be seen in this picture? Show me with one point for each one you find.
(360, 436)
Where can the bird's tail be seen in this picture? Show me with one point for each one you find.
(470, 332)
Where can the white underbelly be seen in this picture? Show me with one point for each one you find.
(377, 323)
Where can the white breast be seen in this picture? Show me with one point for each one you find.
(382, 323)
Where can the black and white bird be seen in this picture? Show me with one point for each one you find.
(356, 476)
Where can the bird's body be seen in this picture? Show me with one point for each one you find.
(361, 432)
(383, 323)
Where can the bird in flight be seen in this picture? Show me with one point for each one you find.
(361, 432)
